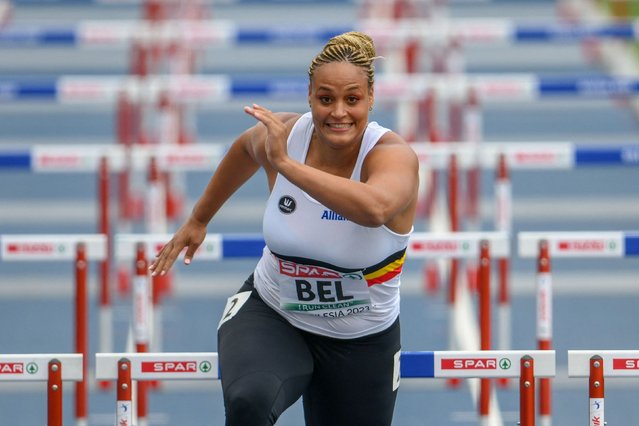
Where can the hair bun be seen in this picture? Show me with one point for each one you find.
(358, 40)
(354, 47)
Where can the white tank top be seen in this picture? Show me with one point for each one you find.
(322, 272)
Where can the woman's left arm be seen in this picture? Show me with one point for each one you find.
(388, 186)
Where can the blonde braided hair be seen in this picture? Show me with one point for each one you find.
(354, 47)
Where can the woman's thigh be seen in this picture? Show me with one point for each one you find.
(263, 359)
(355, 382)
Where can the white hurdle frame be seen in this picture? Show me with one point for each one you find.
(526, 365)
(51, 368)
(205, 34)
(81, 249)
(546, 246)
(596, 365)
(422, 245)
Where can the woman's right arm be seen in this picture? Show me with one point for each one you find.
(235, 168)
(245, 156)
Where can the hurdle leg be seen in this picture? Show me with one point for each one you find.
(124, 409)
(527, 392)
(503, 312)
(483, 281)
(503, 222)
(453, 382)
(141, 315)
(157, 223)
(81, 329)
(454, 226)
(596, 392)
(544, 326)
(54, 393)
(105, 313)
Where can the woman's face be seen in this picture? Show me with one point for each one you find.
(340, 100)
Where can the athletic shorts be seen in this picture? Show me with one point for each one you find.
(267, 365)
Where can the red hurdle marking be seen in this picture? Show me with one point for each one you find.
(503, 223)
(453, 212)
(104, 228)
(54, 393)
(596, 365)
(51, 368)
(527, 392)
(156, 210)
(127, 368)
(596, 391)
(544, 324)
(124, 404)
(543, 245)
(427, 108)
(472, 136)
(81, 249)
(483, 281)
(130, 368)
(141, 320)
(81, 330)
(456, 245)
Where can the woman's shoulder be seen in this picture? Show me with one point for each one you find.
(391, 138)
(391, 143)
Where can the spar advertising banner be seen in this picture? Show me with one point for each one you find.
(51, 247)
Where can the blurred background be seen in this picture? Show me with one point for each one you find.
(82, 78)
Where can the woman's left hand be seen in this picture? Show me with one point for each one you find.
(276, 134)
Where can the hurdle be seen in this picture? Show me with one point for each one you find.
(87, 158)
(81, 249)
(51, 368)
(225, 33)
(503, 157)
(422, 245)
(102, 160)
(596, 365)
(221, 88)
(481, 247)
(461, 245)
(147, 311)
(385, 31)
(215, 247)
(549, 245)
(163, 120)
(525, 365)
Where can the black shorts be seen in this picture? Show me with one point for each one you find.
(267, 364)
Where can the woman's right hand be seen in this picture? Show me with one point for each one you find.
(276, 134)
(190, 235)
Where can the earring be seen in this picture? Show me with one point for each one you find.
(370, 108)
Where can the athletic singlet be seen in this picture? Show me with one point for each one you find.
(322, 272)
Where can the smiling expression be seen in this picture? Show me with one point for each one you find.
(340, 98)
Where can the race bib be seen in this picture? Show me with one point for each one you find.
(322, 291)
(233, 305)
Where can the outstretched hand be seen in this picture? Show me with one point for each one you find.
(276, 133)
(190, 235)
